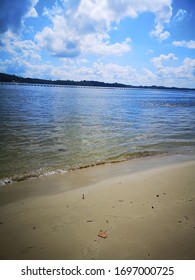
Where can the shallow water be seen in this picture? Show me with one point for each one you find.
(54, 129)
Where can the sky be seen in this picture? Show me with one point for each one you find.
(136, 42)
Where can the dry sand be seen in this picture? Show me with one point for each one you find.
(146, 207)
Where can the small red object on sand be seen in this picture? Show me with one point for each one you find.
(102, 234)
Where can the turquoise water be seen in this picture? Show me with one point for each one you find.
(44, 130)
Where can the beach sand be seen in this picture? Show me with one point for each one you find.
(146, 207)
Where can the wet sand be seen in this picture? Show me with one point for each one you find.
(146, 207)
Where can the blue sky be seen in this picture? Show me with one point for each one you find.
(137, 42)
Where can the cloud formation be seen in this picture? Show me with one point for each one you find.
(12, 13)
(180, 15)
(16, 47)
(188, 44)
(181, 74)
(85, 27)
(74, 32)
(158, 61)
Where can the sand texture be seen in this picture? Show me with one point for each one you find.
(145, 209)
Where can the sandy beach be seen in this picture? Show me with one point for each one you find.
(145, 208)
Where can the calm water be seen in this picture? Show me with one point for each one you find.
(54, 129)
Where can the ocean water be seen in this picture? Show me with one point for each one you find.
(44, 130)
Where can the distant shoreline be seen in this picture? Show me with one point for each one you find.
(92, 87)
(7, 79)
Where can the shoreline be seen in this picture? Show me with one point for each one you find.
(34, 174)
(145, 206)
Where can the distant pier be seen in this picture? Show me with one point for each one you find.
(85, 86)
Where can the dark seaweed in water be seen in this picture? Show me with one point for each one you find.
(61, 150)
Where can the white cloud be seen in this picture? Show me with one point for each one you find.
(98, 71)
(78, 69)
(59, 40)
(180, 15)
(188, 44)
(108, 11)
(7, 40)
(26, 49)
(93, 43)
(158, 61)
(158, 32)
(14, 46)
(184, 71)
(32, 12)
(113, 72)
(149, 75)
(85, 27)
(68, 38)
(182, 75)
(163, 17)
(115, 10)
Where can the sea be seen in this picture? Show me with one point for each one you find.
(46, 130)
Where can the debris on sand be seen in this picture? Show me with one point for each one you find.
(102, 234)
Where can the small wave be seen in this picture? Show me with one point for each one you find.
(54, 172)
(133, 155)
(120, 158)
(45, 173)
(30, 175)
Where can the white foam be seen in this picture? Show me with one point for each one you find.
(5, 181)
(54, 172)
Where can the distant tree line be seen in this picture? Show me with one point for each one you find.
(7, 78)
